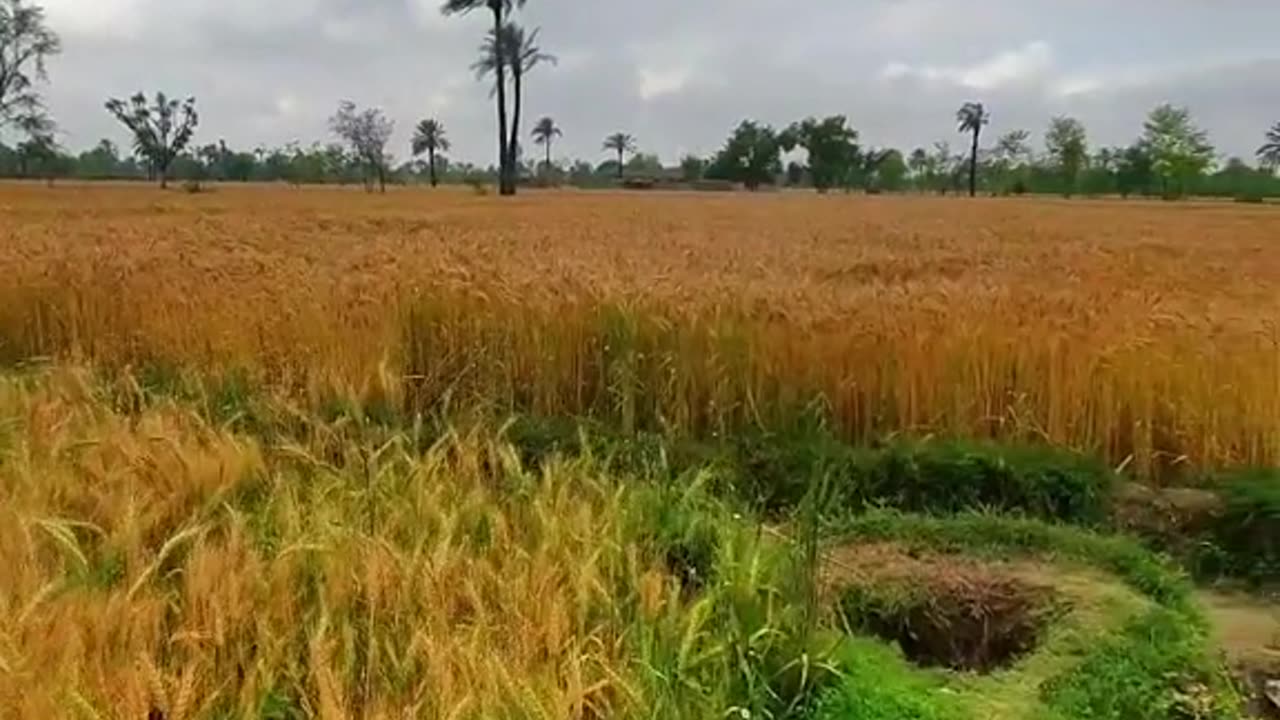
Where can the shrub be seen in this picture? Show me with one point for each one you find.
(1154, 669)
(1245, 540)
(776, 470)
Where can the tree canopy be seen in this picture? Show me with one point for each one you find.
(161, 130)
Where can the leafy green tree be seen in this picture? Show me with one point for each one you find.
(37, 154)
(1269, 153)
(1180, 151)
(26, 43)
(692, 168)
(545, 134)
(751, 156)
(891, 174)
(429, 137)
(620, 143)
(161, 131)
(832, 146)
(972, 117)
(102, 162)
(1009, 160)
(499, 9)
(1067, 146)
(645, 165)
(918, 163)
(1134, 170)
(367, 132)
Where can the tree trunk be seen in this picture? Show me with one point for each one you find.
(547, 168)
(973, 163)
(382, 179)
(163, 172)
(620, 166)
(505, 186)
(431, 160)
(513, 145)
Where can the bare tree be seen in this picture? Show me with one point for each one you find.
(25, 44)
(367, 132)
(161, 131)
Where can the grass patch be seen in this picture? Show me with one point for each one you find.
(878, 684)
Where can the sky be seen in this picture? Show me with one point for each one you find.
(676, 74)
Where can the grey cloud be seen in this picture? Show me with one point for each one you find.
(677, 73)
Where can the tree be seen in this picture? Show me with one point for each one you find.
(429, 137)
(1179, 150)
(515, 52)
(25, 45)
(645, 165)
(751, 156)
(367, 132)
(161, 131)
(972, 116)
(832, 146)
(1068, 149)
(500, 9)
(1134, 170)
(1010, 157)
(1269, 153)
(37, 152)
(918, 164)
(620, 143)
(545, 134)
(102, 162)
(692, 168)
(891, 171)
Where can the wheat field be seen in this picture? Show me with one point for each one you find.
(1141, 332)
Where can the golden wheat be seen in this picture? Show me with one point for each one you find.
(1145, 333)
(151, 563)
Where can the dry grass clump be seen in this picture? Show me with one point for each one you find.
(1144, 333)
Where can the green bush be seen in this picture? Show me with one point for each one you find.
(1156, 668)
(1244, 541)
(776, 471)
(953, 477)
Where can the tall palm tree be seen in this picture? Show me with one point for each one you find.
(511, 50)
(545, 133)
(1269, 153)
(429, 137)
(500, 10)
(621, 143)
(972, 117)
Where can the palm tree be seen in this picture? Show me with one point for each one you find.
(500, 9)
(1269, 153)
(972, 116)
(545, 133)
(621, 143)
(511, 50)
(429, 137)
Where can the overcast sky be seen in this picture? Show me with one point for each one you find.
(678, 74)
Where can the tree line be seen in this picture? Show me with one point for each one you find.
(1172, 158)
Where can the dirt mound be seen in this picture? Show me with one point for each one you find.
(943, 611)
